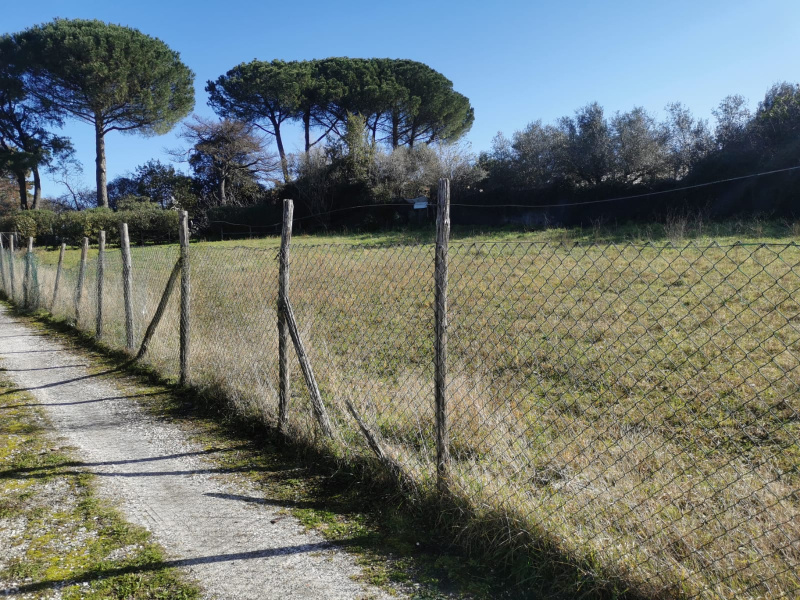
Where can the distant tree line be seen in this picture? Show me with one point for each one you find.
(375, 131)
(591, 155)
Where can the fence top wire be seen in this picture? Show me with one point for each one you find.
(300, 245)
(599, 244)
(635, 196)
(693, 244)
(524, 206)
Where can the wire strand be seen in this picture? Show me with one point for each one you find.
(645, 195)
(559, 205)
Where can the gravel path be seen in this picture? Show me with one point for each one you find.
(216, 530)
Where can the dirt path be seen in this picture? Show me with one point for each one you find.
(217, 530)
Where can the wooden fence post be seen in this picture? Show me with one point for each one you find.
(2, 264)
(3, 254)
(127, 286)
(58, 275)
(81, 278)
(440, 345)
(26, 279)
(283, 328)
(185, 296)
(101, 267)
(11, 264)
(33, 281)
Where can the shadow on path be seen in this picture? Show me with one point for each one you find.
(10, 406)
(6, 337)
(44, 368)
(264, 501)
(157, 566)
(44, 470)
(65, 381)
(32, 351)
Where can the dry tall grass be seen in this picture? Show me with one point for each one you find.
(636, 408)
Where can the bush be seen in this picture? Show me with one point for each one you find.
(29, 222)
(146, 223)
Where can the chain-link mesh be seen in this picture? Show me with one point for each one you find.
(635, 408)
(233, 326)
(20, 276)
(639, 404)
(151, 269)
(367, 316)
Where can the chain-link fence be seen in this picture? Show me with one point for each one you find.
(633, 410)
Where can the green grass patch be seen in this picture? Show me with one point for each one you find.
(58, 533)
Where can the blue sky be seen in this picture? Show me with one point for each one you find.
(516, 61)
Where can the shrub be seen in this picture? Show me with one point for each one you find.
(29, 223)
(146, 223)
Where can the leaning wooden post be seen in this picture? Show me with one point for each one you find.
(26, 280)
(81, 278)
(283, 328)
(440, 345)
(185, 296)
(162, 306)
(58, 275)
(11, 264)
(127, 286)
(317, 405)
(101, 267)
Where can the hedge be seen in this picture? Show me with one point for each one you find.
(146, 223)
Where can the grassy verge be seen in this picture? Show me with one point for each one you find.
(55, 532)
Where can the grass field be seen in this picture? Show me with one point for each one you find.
(626, 402)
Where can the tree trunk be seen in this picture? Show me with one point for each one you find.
(100, 140)
(37, 188)
(222, 199)
(23, 190)
(281, 152)
(395, 129)
(307, 128)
